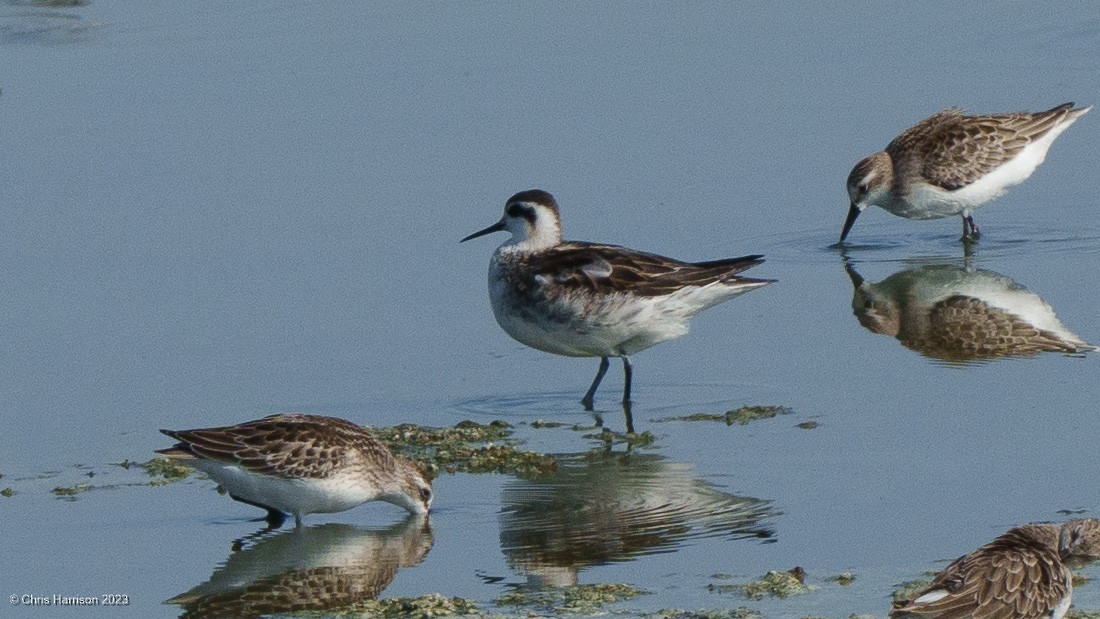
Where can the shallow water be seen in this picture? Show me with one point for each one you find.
(213, 213)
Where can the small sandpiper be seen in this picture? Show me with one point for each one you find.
(1022, 574)
(593, 300)
(302, 464)
(951, 164)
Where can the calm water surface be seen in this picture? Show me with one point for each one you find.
(215, 212)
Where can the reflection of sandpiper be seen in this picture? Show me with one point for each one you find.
(302, 464)
(616, 508)
(1022, 574)
(593, 300)
(321, 568)
(957, 314)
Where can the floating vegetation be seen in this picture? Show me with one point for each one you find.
(7, 492)
(611, 438)
(1080, 578)
(773, 584)
(427, 606)
(1082, 614)
(741, 416)
(71, 491)
(469, 447)
(807, 425)
(539, 424)
(162, 470)
(844, 579)
(577, 599)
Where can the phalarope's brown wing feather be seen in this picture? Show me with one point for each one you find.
(285, 445)
(951, 150)
(611, 268)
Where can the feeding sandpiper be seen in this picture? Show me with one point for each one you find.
(1022, 574)
(951, 164)
(593, 300)
(302, 464)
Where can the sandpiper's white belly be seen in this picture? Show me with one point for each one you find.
(300, 496)
(924, 201)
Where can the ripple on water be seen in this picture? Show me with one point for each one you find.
(885, 243)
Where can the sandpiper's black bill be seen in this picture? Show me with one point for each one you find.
(497, 227)
(853, 212)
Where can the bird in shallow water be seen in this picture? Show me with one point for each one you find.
(1020, 575)
(302, 464)
(951, 164)
(594, 300)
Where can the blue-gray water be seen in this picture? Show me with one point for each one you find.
(213, 212)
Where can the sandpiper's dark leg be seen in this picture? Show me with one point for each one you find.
(274, 518)
(970, 229)
(297, 521)
(588, 397)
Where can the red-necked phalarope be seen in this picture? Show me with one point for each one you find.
(593, 300)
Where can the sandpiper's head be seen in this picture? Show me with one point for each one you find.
(1080, 539)
(532, 218)
(868, 183)
(413, 488)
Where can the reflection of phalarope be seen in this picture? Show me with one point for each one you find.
(591, 300)
(617, 508)
(302, 464)
(1020, 575)
(955, 314)
(328, 567)
(951, 164)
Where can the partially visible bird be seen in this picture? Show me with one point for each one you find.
(1020, 575)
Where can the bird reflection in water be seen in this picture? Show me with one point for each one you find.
(319, 568)
(613, 508)
(960, 314)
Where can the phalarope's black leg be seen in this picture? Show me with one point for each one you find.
(588, 398)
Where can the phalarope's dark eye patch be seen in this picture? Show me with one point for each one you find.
(517, 209)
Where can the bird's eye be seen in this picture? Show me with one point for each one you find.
(426, 494)
(863, 188)
(521, 210)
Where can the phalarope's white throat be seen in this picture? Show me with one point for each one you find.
(1021, 574)
(302, 464)
(951, 164)
(593, 300)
